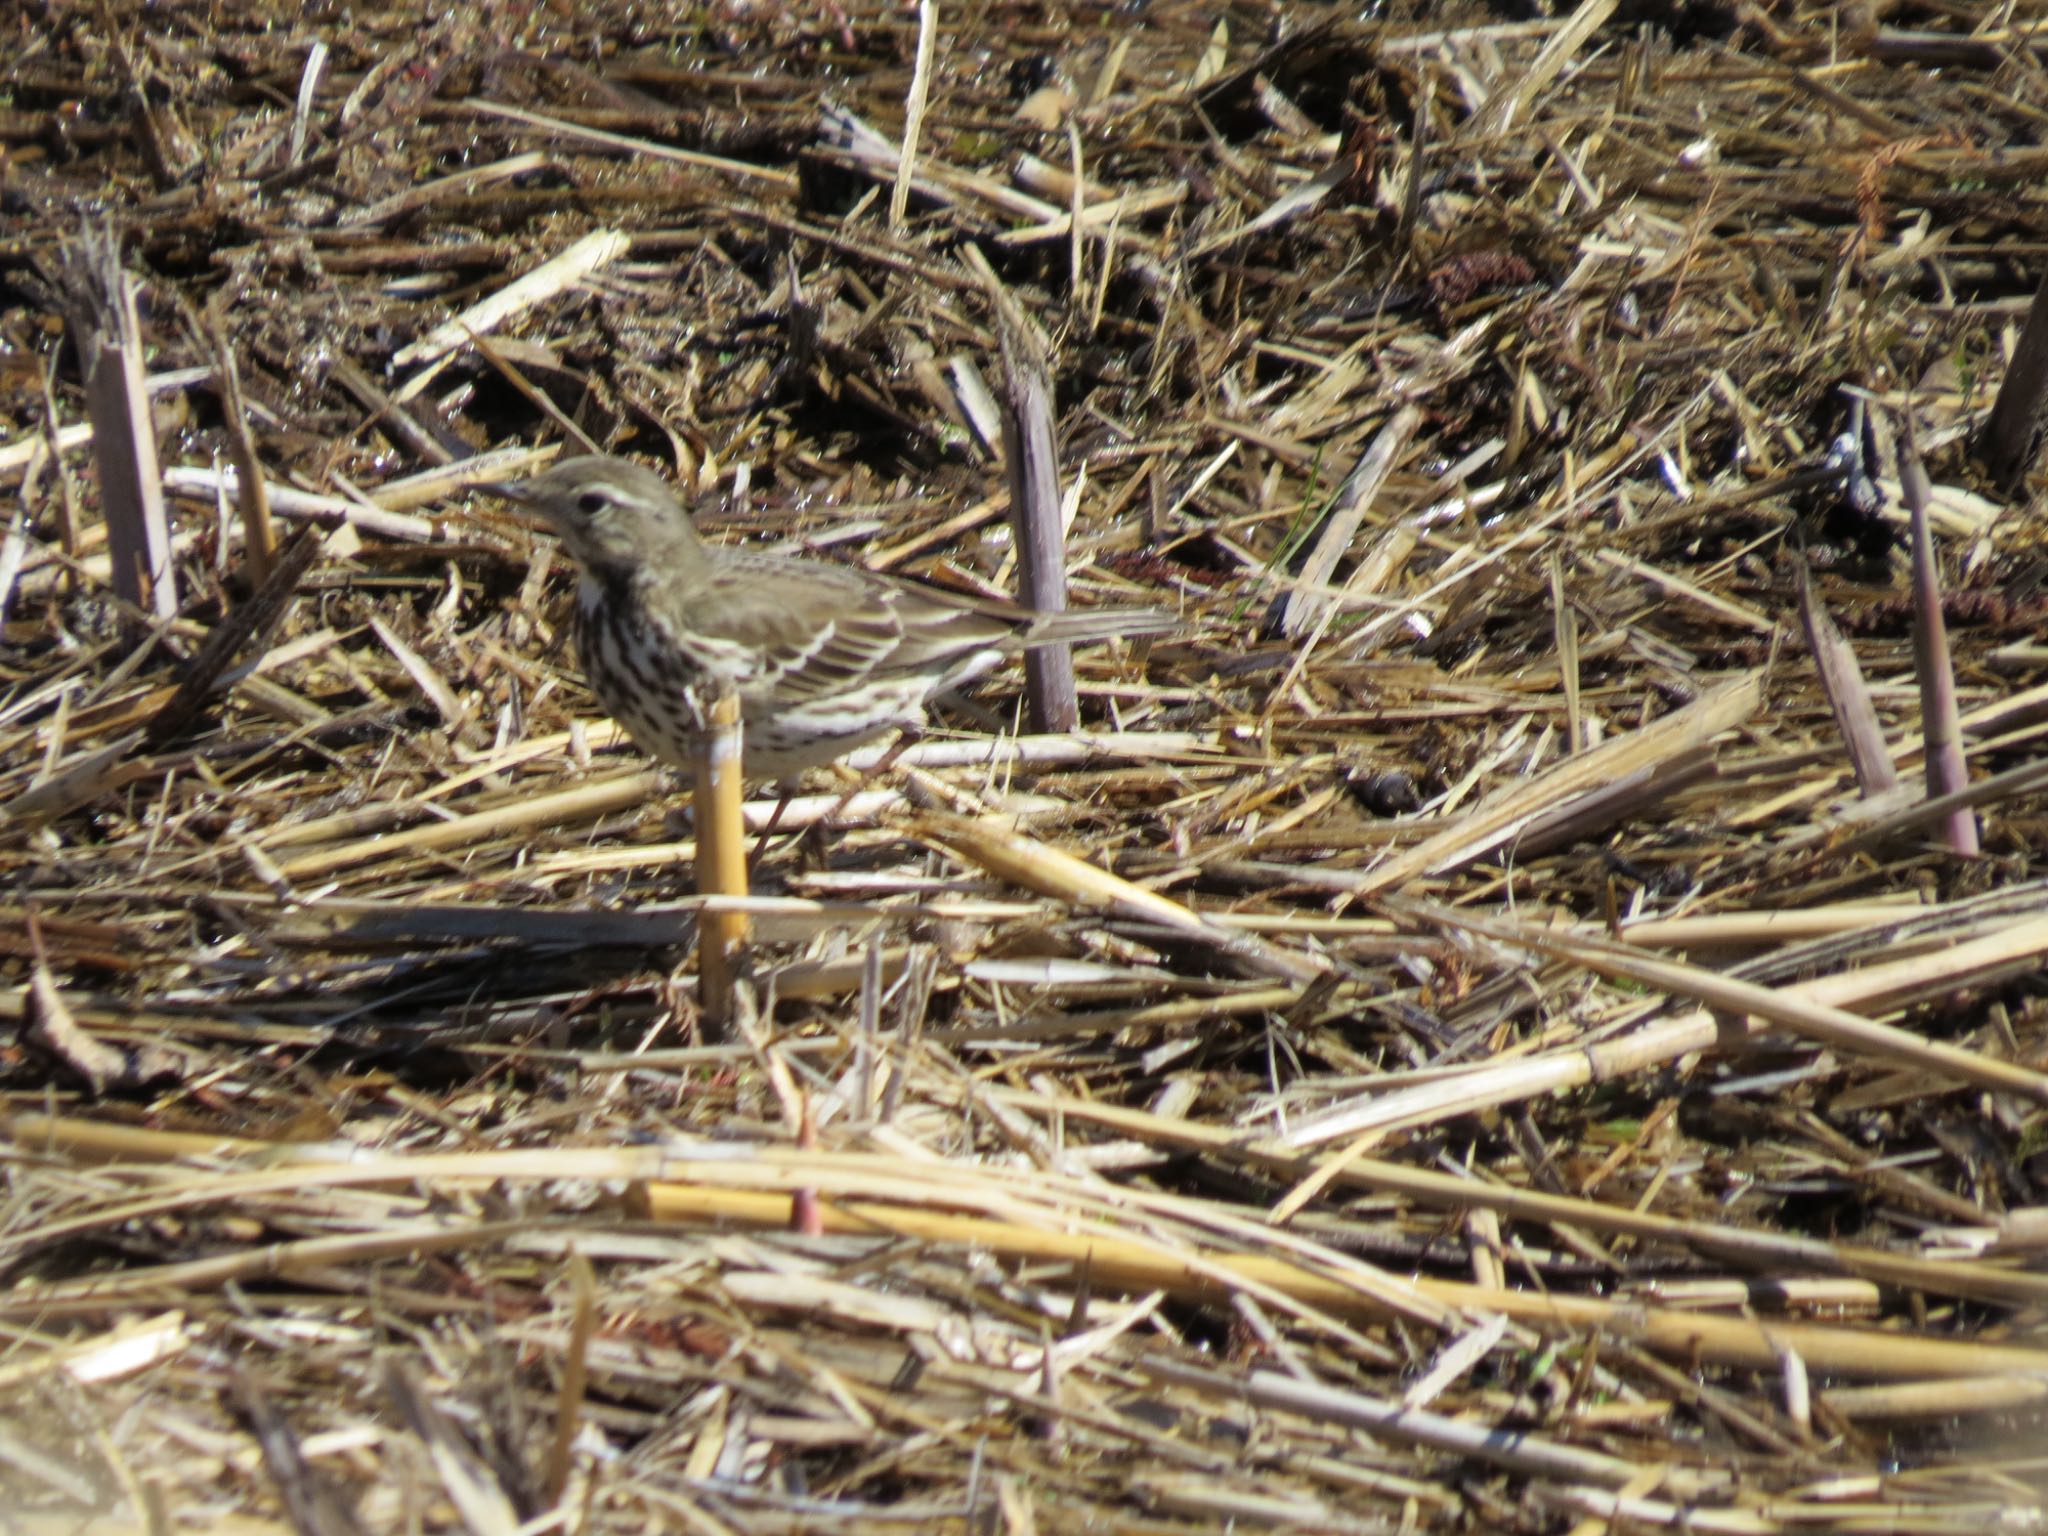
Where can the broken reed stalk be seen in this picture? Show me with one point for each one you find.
(1848, 696)
(2007, 443)
(1566, 624)
(107, 332)
(597, 249)
(913, 112)
(259, 535)
(569, 1399)
(721, 856)
(1311, 599)
(1939, 723)
(252, 620)
(1032, 466)
(1499, 817)
(1014, 856)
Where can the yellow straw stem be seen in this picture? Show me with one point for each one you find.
(721, 857)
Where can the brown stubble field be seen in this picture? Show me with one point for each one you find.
(1484, 1027)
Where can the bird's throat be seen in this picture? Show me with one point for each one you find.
(608, 586)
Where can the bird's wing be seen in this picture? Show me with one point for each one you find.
(806, 632)
(810, 630)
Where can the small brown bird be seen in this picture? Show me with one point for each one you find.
(823, 657)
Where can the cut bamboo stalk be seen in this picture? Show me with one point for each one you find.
(1408, 1422)
(1807, 1008)
(1721, 607)
(2012, 783)
(280, 1165)
(780, 180)
(1767, 928)
(721, 857)
(569, 1399)
(1626, 799)
(606, 796)
(1565, 620)
(208, 484)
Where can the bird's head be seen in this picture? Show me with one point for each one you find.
(610, 513)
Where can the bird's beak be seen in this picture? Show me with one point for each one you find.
(516, 492)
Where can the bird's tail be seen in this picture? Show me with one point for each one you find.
(1081, 626)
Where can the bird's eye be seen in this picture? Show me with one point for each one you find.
(590, 503)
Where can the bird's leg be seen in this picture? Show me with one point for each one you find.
(881, 770)
(815, 829)
(810, 842)
(785, 791)
(905, 736)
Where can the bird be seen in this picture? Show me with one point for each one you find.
(824, 657)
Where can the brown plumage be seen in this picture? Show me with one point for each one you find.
(824, 657)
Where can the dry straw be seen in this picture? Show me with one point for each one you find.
(1492, 1025)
